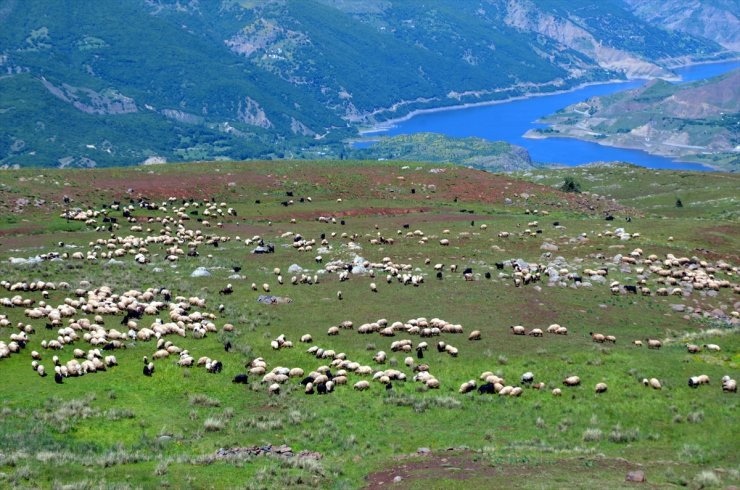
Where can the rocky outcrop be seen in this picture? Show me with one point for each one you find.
(250, 112)
(713, 19)
(107, 102)
(525, 16)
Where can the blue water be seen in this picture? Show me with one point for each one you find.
(509, 121)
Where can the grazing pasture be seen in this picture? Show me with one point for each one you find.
(367, 325)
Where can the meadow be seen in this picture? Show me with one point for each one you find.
(121, 429)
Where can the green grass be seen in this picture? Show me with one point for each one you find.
(119, 428)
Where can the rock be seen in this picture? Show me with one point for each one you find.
(397, 479)
(157, 269)
(200, 272)
(17, 260)
(598, 278)
(164, 438)
(114, 262)
(235, 276)
(678, 308)
(637, 476)
(423, 451)
(358, 269)
(549, 247)
(295, 269)
(508, 201)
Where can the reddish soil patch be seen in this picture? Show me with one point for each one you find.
(457, 465)
(460, 465)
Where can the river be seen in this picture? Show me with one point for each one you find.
(508, 121)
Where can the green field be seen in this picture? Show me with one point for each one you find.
(121, 429)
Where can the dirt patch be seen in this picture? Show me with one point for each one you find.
(457, 465)
(465, 465)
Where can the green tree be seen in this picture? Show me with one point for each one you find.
(570, 185)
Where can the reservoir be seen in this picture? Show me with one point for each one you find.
(508, 121)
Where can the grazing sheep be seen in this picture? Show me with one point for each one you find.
(611, 338)
(518, 330)
(467, 387)
(572, 381)
(654, 344)
(306, 338)
(637, 343)
(597, 337)
(58, 378)
(600, 388)
(361, 385)
(652, 382)
(333, 331)
(409, 361)
(693, 348)
(474, 335)
(373, 287)
(241, 379)
(557, 392)
(527, 377)
(339, 295)
(536, 332)
(41, 371)
(274, 389)
(149, 369)
(729, 385)
(486, 389)
(432, 383)
(712, 347)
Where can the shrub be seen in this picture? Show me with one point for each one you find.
(212, 424)
(592, 435)
(571, 185)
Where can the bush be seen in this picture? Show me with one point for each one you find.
(571, 185)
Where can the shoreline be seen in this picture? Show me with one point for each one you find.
(390, 123)
(709, 167)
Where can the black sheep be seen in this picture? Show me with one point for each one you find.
(321, 388)
(468, 270)
(389, 387)
(439, 275)
(499, 265)
(58, 378)
(227, 346)
(306, 380)
(440, 347)
(486, 389)
(631, 289)
(242, 379)
(419, 353)
(488, 275)
(149, 369)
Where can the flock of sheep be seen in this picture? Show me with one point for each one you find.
(107, 320)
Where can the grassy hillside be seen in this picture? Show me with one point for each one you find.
(224, 79)
(121, 428)
(430, 147)
(696, 121)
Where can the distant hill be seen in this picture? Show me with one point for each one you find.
(494, 156)
(91, 83)
(718, 20)
(698, 121)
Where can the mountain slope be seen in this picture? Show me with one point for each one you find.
(90, 83)
(718, 20)
(696, 120)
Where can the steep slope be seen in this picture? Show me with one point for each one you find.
(718, 20)
(89, 83)
(697, 120)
